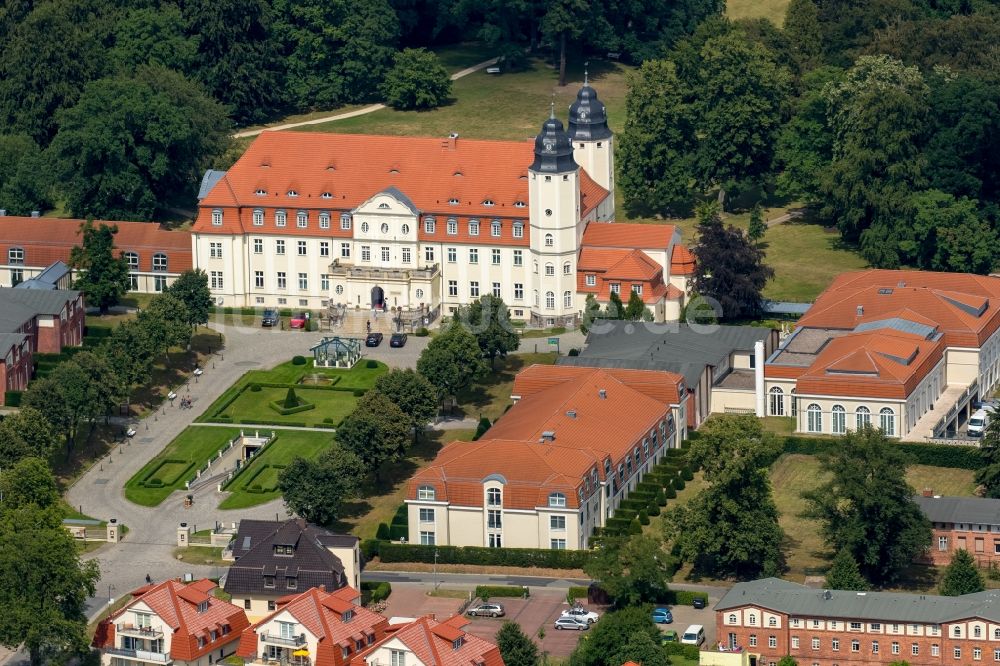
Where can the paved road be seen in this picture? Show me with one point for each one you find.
(358, 112)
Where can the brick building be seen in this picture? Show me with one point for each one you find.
(772, 618)
(969, 523)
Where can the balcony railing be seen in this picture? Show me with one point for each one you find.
(141, 655)
(143, 632)
(293, 641)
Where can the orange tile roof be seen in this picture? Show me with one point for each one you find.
(599, 429)
(965, 307)
(621, 265)
(433, 643)
(632, 236)
(48, 239)
(681, 261)
(636, 265)
(176, 604)
(879, 364)
(591, 194)
(322, 614)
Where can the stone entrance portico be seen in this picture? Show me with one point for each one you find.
(395, 288)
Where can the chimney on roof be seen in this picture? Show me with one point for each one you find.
(827, 595)
(928, 492)
(35, 213)
(901, 284)
(861, 311)
(452, 140)
(603, 393)
(571, 413)
(548, 436)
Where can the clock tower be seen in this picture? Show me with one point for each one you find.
(592, 142)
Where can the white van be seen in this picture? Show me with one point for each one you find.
(978, 423)
(693, 635)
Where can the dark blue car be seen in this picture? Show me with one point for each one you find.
(662, 616)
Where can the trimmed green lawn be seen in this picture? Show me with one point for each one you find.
(772, 10)
(191, 449)
(491, 396)
(289, 445)
(521, 99)
(333, 405)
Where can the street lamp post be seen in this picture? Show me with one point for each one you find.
(436, 581)
(111, 600)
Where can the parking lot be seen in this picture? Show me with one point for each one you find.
(685, 616)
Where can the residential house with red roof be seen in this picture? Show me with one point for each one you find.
(427, 642)
(426, 225)
(171, 623)
(556, 465)
(28, 245)
(313, 628)
(905, 351)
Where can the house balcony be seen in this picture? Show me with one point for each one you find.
(140, 655)
(294, 641)
(383, 274)
(138, 632)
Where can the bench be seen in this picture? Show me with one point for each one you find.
(492, 70)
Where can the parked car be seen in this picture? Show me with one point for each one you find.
(662, 615)
(698, 602)
(693, 635)
(373, 340)
(269, 318)
(978, 423)
(485, 610)
(569, 622)
(669, 637)
(581, 613)
(398, 340)
(299, 320)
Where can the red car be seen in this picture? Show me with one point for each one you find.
(299, 320)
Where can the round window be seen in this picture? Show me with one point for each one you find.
(406, 229)
(364, 227)
(385, 228)
(548, 211)
(420, 293)
(340, 289)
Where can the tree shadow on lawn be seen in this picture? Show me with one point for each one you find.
(919, 578)
(478, 395)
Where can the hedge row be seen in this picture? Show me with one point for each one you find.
(512, 557)
(375, 592)
(689, 652)
(684, 597)
(576, 592)
(488, 591)
(399, 528)
(935, 455)
(279, 406)
(13, 398)
(277, 424)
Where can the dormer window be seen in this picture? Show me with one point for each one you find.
(302, 219)
(453, 202)
(488, 202)
(345, 221)
(293, 193)
(457, 643)
(280, 218)
(429, 225)
(261, 192)
(347, 616)
(217, 217)
(518, 230)
(557, 500)
(383, 206)
(269, 581)
(284, 550)
(326, 195)
(203, 606)
(473, 227)
(519, 204)
(291, 583)
(426, 493)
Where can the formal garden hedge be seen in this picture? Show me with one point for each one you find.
(372, 593)
(176, 468)
(279, 406)
(13, 398)
(510, 557)
(486, 592)
(264, 479)
(576, 592)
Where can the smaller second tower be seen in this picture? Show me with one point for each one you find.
(592, 139)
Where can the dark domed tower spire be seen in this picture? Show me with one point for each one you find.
(553, 147)
(588, 119)
(592, 143)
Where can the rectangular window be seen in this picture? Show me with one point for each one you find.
(385, 254)
(302, 248)
(324, 248)
(268, 581)
(279, 246)
(795, 642)
(591, 280)
(427, 539)
(495, 540)
(495, 257)
(159, 283)
(495, 229)
(303, 282)
(772, 641)
(282, 282)
(935, 650)
(815, 644)
(518, 258)
(428, 253)
(406, 255)
(494, 519)
(557, 523)
(496, 289)
(258, 246)
(557, 544)
(324, 282)
(397, 658)
(427, 515)
(637, 288)
(894, 647)
(518, 291)
(915, 649)
(874, 647)
(453, 287)
(835, 644)
(474, 289)
(345, 250)
(473, 255)
(452, 255)
(215, 250)
(366, 253)
(345, 222)
(615, 288)
(302, 220)
(518, 230)
(429, 225)
(855, 626)
(452, 227)
(216, 279)
(133, 280)
(324, 220)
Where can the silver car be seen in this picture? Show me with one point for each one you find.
(570, 622)
(486, 610)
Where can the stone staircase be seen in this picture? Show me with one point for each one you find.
(354, 324)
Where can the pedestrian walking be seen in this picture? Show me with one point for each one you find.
(368, 324)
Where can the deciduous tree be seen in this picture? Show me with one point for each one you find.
(640, 648)
(988, 474)
(65, 396)
(632, 570)
(102, 273)
(377, 432)
(165, 321)
(948, 234)
(804, 33)
(417, 81)
(489, 320)
(609, 635)
(844, 573)
(415, 396)
(317, 489)
(961, 576)
(516, 649)
(191, 289)
(452, 360)
(24, 176)
(866, 507)
(26, 433)
(28, 482)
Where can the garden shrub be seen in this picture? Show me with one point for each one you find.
(382, 532)
(635, 527)
(574, 351)
(679, 483)
(375, 592)
(298, 360)
(576, 592)
(485, 592)
(689, 652)
(661, 498)
(13, 398)
(290, 399)
(358, 393)
(279, 407)
(370, 548)
(370, 364)
(328, 420)
(255, 388)
(514, 557)
(669, 492)
(422, 332)
(653, 509)
(643, 518)
(484, 425)
(686, 473)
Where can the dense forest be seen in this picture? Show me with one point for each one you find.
(114, 108)
(882, 115)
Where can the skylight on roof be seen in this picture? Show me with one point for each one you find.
(519, 204)
(293, 193)
(488, 202)
(885, 291)
(453, 201)
(261, 192)
(326, 195)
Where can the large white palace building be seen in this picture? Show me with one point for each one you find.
(313, 220)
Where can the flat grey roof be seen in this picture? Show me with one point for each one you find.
(741, 380)
(978, 510)
(801, 601)
(786, 307)
(801, 347)
(39, 301)
(666, 346)
(47, 279)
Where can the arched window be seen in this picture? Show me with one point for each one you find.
(957, 632)
(217, 217)
(862, 417)
(887, 421)
(518, 229)
(732, 618)
(557, 499)
(777, 401)
(752, 619)
(258, 217)
(550, 269)
(567, 268)
(345, 221)
(493, 497)
(977, 632)
(839, 420)
(473, 227)
(280, 218)
(132, 259)
(429, 225)
(814, 418)
(495, 229)
(324, 220)
(567, 299)
(426, 493)
(550, 300)
(772, 622)
(452, 226)
(160, 262)
(996, 634)
(535, 298)
(549, 241)
(301, 219)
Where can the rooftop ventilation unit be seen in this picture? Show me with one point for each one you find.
(571, 413)
(603, 393)
(548, 436)
(861, 310)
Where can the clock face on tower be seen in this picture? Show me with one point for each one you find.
(582, 114)
(548, 146)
